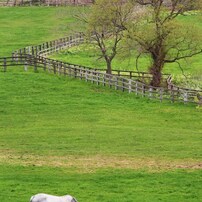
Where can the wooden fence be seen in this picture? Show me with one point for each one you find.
(100, 78)
(44, 2)
(50, 47)
(129, 81)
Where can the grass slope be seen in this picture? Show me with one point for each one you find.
(80, 118)
(59, 135)
(62, 135)
(19, 183)
(23, 26)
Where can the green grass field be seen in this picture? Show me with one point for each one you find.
(60, 135)
(24, 26)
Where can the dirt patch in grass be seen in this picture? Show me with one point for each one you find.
(92, 163)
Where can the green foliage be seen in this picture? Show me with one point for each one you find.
(156, 31)
(105, 27)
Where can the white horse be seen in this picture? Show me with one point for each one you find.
(51, 198)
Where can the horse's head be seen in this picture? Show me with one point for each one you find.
(73, 200)
(70, 199)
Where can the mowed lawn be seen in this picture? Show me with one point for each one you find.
(60, 135)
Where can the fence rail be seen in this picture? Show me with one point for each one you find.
(129, 81)
(44, 2)
(50, 47)
(100, 78)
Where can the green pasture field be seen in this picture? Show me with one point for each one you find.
(24, 26)
(60, 135)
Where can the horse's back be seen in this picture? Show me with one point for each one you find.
(45, 198)
(50, 198)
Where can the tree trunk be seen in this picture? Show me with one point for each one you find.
(109, 67)
(158, 57)
(109, 64)
(156, 77)
(156, 70)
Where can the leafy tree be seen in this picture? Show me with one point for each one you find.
(156, 31)
(105, 27)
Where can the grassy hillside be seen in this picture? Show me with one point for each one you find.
(23, 26)
(19, 182)
(60, 135)
(73, 117)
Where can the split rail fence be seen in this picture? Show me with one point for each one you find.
(126, 81)
(44, 2)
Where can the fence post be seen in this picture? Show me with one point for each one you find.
(110, 80)
(86, 75)
(98, 78)
(131, 74)
(35, 64)
(5, 65)
(75, 72)
(64, 69)
(30, 60)
(104, 80)
(54, 68)
(92, 77)
(80, 72)
(48, 66)
(116, 83)
(161, 94)
(25, 66)
(47, 45)
(129, 86)
(69, 70)
(25, 52)
(136, 88)
(172, 96)
(59, 68)
(21, 55)
(36, 48)
(150, 92)
(185, 94)
(29, 50)
(32, 50)
(44, 63)
(40, 48)
(143, 90)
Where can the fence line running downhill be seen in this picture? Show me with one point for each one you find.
(130, 81)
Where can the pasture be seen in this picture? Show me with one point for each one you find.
(64, 136)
